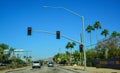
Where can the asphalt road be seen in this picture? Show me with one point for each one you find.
(43, 69)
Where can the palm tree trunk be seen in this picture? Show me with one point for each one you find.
(106, 49)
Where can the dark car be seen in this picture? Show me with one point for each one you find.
(2, 64)
(50, 64)
(36, 64)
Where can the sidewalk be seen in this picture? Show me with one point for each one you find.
(92, 69)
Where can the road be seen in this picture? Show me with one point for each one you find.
(43, 69)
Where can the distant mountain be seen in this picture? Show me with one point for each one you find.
(49, 59)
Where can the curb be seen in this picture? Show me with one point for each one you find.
(74, 70)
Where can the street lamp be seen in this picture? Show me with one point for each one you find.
(83, 30)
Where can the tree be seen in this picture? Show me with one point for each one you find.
(67, 46)
(114, 34)
(64, 58)
(13, 59)
(56, 58)
(105, 32)
(3, 47)
(97, 26)
(118, 34)
(1, 54)
(108, 48)
(91, 54)
(76, 55)
(89, 29)
(61, 58)
(70, 46)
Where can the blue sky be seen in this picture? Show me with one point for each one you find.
(17, 15)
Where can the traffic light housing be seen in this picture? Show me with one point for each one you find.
(57, 34)
(81, 47)
(29, 31)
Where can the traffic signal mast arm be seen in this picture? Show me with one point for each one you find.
(66, 37)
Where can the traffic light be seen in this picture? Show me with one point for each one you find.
(29, 31)
(57, 34)
(81, 47)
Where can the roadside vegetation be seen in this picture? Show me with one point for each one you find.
(106, 48)
(8, 58)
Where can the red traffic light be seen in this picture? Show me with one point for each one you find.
(29, 30)
(57, 34)
(81, 47)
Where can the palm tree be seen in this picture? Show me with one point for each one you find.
(70, 46)
(74, 44)
(114, 34)
(105, 32)
(97, 26)
(89, 29)
(118, 34)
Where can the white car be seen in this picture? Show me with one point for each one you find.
(36, 64)
(50, 64)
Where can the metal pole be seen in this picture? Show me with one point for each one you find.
(83, 36)
(79, 49)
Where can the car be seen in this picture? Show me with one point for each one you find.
(2, 64)
(50, 64)
(36, 64)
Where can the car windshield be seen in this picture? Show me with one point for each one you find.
(36, 62)
(50, 62)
